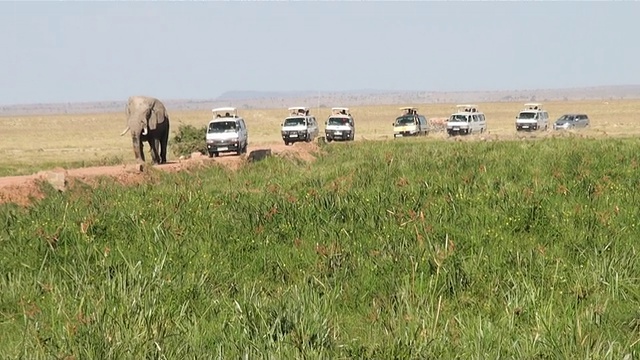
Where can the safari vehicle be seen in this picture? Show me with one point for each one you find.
(340, 125)
(466, 120)
(227, 132)
(410, 123)
(532, 117)
(571, 121)
(299, 126)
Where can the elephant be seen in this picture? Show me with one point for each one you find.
(148, 121)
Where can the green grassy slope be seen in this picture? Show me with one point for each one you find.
(401, 249)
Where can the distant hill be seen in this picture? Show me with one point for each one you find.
(262, 100)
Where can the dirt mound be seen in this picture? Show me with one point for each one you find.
(304, 151)
(22, 194)
(23, 190)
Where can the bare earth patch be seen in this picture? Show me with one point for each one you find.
(23, 190)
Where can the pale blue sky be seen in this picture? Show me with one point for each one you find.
(94, 51)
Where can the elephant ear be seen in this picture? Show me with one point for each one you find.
(150, 118)
(158, 115)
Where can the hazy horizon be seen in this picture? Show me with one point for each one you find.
(57, 52)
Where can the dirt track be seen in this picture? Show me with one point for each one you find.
(22, 189)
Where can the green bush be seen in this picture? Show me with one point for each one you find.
(189, 140)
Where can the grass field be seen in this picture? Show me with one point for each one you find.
(400, 249)
(383, 250)
(29, 144)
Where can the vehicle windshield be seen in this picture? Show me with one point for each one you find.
(462, 118)
(567, 118)
(222, 127)
(405, 120)
(338, 121)
(527, 116)
(294, 122)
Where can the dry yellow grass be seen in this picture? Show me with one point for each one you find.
(38, 141)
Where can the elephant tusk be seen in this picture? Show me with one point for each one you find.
(125, 131)
(145, 131)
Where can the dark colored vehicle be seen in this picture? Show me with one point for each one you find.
(571, 121)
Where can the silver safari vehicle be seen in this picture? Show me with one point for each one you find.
(532, 117)
(299, 126)
(340, 125)
(226, 132)
(466, 120)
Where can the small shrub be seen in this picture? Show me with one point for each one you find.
(189, 139)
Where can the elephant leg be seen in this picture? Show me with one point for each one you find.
(163, 146)
(155, 144)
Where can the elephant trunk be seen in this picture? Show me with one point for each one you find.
(138, 150)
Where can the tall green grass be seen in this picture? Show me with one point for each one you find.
(402, 249)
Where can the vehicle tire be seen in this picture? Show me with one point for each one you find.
(210, 154)
(481, 130)
(329, 139)
(308, 138)
(215, 154)
(286, 143)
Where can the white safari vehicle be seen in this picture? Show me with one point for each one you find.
(410, 123)
(466, 120)
(532, 117)
(299, 126)
(340, 125)
(227, 132)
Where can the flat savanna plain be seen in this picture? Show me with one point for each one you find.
(430, 248)
(32, 143)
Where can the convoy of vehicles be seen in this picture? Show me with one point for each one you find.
(532, 117)
(410, 123)
(226, 132)
(466, 120)
(340, 125)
